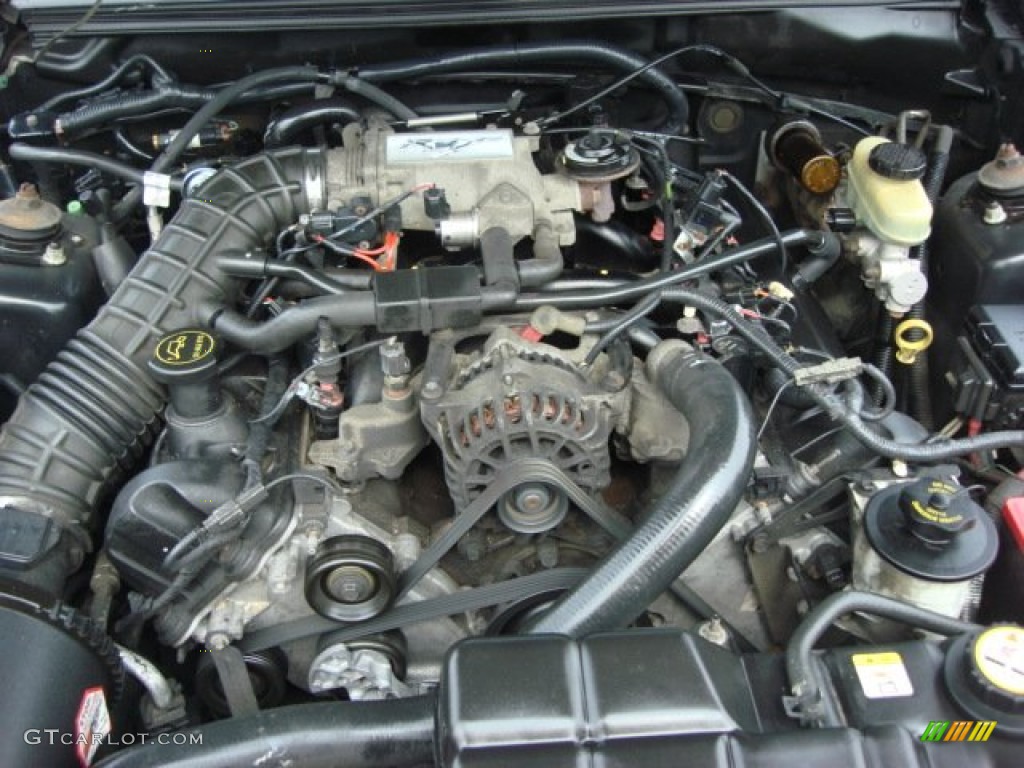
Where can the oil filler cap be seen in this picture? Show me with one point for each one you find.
(186, 362)
(985, 675)
(931, 529)
(189, 353)
(899, 162)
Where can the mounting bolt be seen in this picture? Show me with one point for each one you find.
(54, 255)
(431, 389)
(994, 214)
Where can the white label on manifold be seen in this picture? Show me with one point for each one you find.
(448, 145)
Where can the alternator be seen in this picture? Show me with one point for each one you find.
(519, 399)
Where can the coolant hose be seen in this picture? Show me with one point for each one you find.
(297, 119)
(530, 53)
(701, 497)
(547, 262)
(815, 707)
(91, 414)
(353, 734)
(297, 322)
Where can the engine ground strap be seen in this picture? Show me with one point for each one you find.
(515, 474)
(474, 599)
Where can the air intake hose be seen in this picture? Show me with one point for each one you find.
(90, 416)
(699, 501)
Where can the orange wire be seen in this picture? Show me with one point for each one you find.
(387, 254)
(367, 260)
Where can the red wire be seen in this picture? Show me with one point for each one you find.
(387, 254)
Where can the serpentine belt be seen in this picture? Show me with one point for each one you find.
(474, 599)
(511, 476)
(515, 474)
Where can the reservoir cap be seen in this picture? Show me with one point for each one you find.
(900, 162)
(984, 672)
(931, 529)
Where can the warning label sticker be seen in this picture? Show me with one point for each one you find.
(92, 724)
(882, 675)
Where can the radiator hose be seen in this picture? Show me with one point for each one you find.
(699, 501)
(92, 413)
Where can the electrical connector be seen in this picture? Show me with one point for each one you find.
(829, 372)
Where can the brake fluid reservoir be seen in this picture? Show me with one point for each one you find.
(885, 191)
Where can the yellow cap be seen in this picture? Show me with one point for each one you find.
(821, 174)
(999, 655)
(907, 349)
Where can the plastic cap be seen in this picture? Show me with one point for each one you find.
(189, 354)
(937, 512)
(900, 162)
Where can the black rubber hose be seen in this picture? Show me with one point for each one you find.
(211, 109)
(920, 371)
(90, 416)
(292, 325)
(639, 289)
(837, 406)
(529, 53)
(335, 281)
(60, 156)
(353, 734)
(377, 96)
(800, 668)
(359, 308)
(168, 96)
(816, 265)
(701, 497)
(292, 122)
(547, 262)
(497, 254)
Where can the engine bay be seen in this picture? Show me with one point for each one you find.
(641, 388)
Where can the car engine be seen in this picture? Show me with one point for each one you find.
(514, 383)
